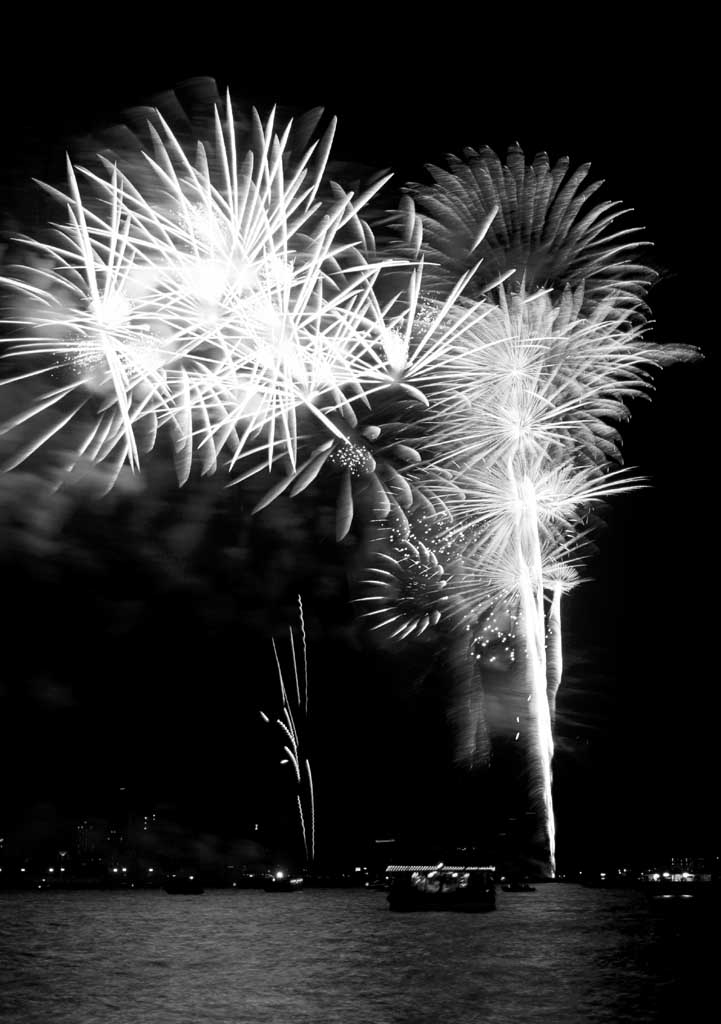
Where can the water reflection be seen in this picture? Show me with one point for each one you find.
(562, 955)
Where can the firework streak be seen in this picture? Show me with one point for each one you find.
(292, 724)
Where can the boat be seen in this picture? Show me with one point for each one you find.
(186, 885)
(465, 888)
(518, 887)
(678, 885)
(281, 881)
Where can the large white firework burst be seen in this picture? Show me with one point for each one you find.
(213, 296)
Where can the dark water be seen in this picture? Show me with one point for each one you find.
(565, 955)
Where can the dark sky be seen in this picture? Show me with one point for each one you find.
(164, 693)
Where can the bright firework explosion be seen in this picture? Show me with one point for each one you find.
(213, 298)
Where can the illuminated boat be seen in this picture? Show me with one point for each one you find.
(465, 888)
(281, 881)
(684, 884)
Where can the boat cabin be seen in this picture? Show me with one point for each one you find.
(463, 887)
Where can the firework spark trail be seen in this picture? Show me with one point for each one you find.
(554, 652)
(301, 618)
(311, 795)
(530, 571)
(293, 739)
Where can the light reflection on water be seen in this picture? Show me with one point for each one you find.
(562, 955)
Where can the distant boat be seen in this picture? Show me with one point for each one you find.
(464, 888)
(188, 885)
(281, 881)
(518, 887)
(679, 885)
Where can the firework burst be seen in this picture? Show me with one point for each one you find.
(216, 308)
(534, 220)
(376, 451)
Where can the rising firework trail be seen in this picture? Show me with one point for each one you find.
(293, 723)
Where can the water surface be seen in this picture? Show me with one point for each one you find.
(562, 955)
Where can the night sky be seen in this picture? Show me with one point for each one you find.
(138, 655)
